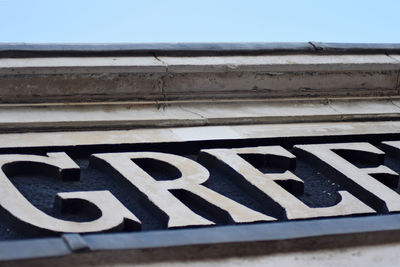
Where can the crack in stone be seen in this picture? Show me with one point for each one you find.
(393, 103)
(194, 113)
(161, 84)
(398, 82)
(397, 85)
(328, 101)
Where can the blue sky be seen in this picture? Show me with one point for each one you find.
(111, 21)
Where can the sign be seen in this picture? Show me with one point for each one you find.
(260, 185)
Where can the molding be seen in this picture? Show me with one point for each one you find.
(108, 116)
(93, 79)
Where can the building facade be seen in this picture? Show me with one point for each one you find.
(208, 154)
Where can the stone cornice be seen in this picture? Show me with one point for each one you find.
(167, 78)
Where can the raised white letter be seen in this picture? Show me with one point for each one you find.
(192, 176)
(113, 213)
(358, 180)
(267, 183)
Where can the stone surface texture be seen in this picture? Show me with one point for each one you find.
(108, 116)
(212, 77)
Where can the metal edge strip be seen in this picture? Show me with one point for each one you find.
(191, 49)
(52, 247)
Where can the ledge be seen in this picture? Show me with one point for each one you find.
(168, 78)
(130, 115)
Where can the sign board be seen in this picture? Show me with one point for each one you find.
(59, 199)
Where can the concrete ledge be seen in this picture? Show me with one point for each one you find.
(107, 116)
(150, 78)
(281, 63)
(71, 65)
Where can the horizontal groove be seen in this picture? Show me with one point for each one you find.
(287, 100)
(129, 125)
